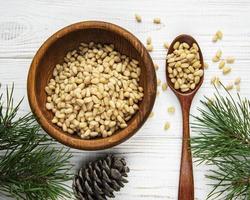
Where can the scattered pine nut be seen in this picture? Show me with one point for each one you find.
(158, 82)
(230, 59)
(171, 109)
(215, 59)
(151, 114)
(156, 66)
(205, 65)
(149, 47)
(138, 18)
(218, 54)
(229, 87)
(219, 35)
(166, 126)
(237, 87)
(164, 86)
(237, 81)
(226, 70)
(215, 80)
(149, 40)
(166, 45)
(157, 20)
(222, 64)
(214, 39)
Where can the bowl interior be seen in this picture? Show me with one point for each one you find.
(53, 52)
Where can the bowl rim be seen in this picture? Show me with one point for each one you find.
(67, 139)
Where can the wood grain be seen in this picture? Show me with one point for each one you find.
(68, 39)
(153, 154)
(186, 182)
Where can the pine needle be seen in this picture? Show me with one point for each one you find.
(223, 142)
(30, 167)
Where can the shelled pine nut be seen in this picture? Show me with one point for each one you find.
(157, 20)
(95, 91)
(230, 59)
(226, 70)
(222, 64)
(184, 66)
(166, 126)
(217, 36)
(138, 18)
(171, 109)
(164, 86)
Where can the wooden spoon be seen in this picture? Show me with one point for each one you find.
(186, 183)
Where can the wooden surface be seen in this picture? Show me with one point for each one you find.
(186, 182)
(153, 154)
(54, 50)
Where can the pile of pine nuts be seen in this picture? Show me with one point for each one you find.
(184, 66)
(95, 91)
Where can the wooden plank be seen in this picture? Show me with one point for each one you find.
(23, 29)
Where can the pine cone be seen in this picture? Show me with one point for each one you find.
(99, 179)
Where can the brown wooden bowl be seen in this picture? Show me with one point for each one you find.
(53, 51)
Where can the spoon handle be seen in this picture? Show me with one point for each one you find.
(186, 183)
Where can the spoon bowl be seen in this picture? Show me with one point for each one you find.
(189, 40)
(186, 183)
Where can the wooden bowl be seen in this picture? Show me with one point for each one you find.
(52, 53)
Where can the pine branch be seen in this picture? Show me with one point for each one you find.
(223, 141)
(30, 167)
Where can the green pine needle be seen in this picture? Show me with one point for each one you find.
(223, 141)
(30, 167)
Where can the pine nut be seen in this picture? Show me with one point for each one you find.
(222, 64)
(164, 86)
(226, 70)
(218, 54)
(176, 45)
(166, 126)
(184, 66)
(230, 59)
(215, 59)
(171, 109)
(157, 20)
(219, 35)
(90, 87)
(138, 18)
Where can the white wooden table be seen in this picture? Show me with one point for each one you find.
(152, 154)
